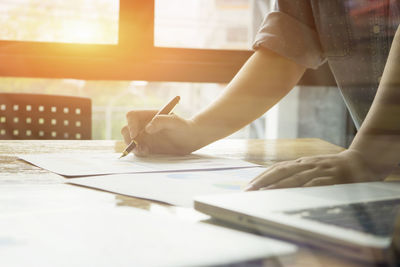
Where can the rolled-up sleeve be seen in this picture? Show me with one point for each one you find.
(289, 37)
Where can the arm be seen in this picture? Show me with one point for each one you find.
(380, 132)
(263, 80)
(373, 154)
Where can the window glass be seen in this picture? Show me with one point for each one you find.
(111, 100)
(208, 24)
(72, 21)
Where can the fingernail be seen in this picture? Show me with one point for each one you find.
(270, 187)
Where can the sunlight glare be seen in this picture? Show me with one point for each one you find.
(80, 32)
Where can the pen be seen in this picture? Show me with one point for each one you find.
(165, 110)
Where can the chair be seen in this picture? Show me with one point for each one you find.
(37, 116)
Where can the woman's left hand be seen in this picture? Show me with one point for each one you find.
(345, 167)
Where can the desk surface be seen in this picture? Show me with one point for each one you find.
(18, 174)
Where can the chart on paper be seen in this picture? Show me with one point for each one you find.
(177, 188)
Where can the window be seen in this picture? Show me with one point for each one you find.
(73, 21)
(206, 24)
(131, 37)
(36, 45)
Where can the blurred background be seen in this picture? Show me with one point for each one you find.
(205, 24)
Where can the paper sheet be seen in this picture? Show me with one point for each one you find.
(176, 188)
(85, 164)
(123, 236)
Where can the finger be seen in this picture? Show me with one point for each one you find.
(163, 122)
(279, 167)
(297, 179)
(320, 181)
(141, 151)
(137, 119)
(126, 135)
(142, 145)
(275, 174)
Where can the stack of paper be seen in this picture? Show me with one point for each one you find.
(105, 235)
(85, 164)
(172, 179)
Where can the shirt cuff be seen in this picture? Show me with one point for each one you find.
(290, 38)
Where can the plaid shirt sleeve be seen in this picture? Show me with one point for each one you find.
(289, 30)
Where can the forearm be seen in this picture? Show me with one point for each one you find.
(378, 140)
(261, 83)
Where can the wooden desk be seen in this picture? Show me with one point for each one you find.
(15, 174)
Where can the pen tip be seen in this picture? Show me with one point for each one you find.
(123, 154)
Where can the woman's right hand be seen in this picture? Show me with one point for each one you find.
(163, 134)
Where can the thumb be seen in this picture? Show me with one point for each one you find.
(163, 122)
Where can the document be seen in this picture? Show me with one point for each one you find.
(86, 164)
(176, 188)
(125, 237)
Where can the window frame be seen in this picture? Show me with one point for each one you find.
(134, 57)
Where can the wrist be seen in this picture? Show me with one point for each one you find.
(374, 168)
(201, 134)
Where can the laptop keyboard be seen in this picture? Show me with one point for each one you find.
(375, 217)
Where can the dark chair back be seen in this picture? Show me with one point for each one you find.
(37, 116)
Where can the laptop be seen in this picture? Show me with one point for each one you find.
(354, 220)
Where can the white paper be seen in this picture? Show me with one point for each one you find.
(176, 188)
(122, 236)
(85, 164)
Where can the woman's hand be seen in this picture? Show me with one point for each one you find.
(163, 134)
(345, 167)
